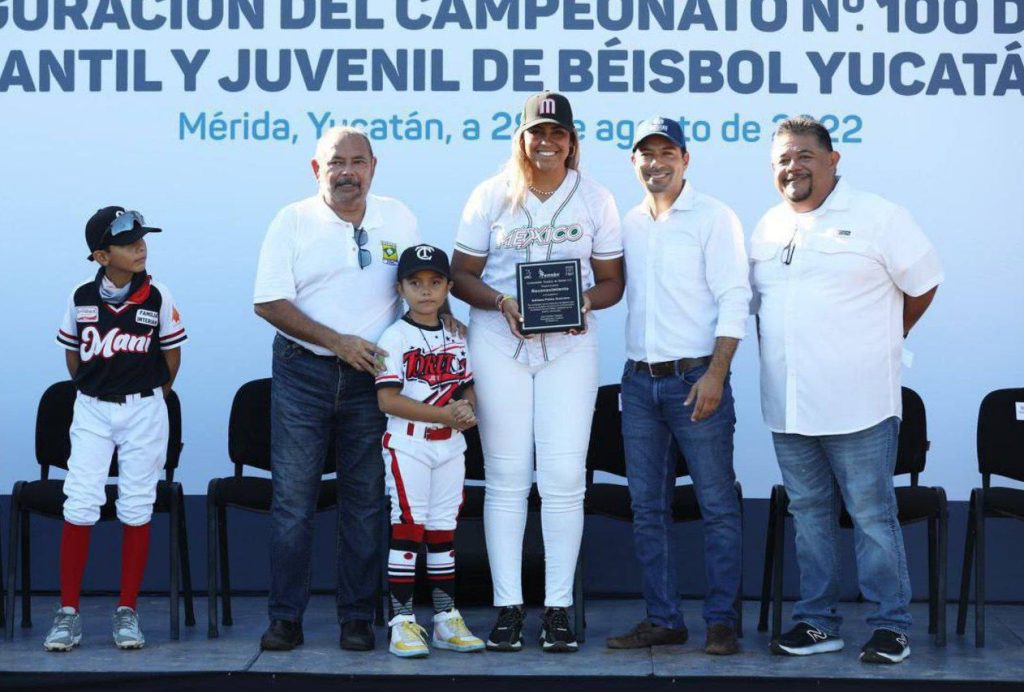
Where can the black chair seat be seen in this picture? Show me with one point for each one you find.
(252, 493)
(45, 497)
(613, 501)
(914, 503)
(1007, 502)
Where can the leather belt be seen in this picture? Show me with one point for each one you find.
(305, 351)
(432, 434)
(670, 367)
(123, 398)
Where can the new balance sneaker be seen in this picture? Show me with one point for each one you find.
(507, 634)
(885, 646)
(408, 639)
(450, 632)
(804, 640)
(555, 634)
(127, 634)
(66, 631)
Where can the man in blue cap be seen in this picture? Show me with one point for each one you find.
(688, 294)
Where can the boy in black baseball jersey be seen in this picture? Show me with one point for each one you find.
(122, 333)
(426, 389)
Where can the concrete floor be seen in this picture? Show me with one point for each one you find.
(237, 650)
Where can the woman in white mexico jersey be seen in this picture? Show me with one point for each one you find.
(538, 390)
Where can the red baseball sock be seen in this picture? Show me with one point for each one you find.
(134, 552)
(74, 551)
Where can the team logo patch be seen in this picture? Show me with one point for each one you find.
(388, 252)
(147, 317)
(87, 313)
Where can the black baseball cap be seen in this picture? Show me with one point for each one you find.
(115, 226)
(420, 257)
(547, 107)
(661, 126)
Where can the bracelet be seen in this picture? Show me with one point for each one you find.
(500, 300)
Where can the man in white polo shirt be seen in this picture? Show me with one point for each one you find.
(840, 277)
(326, 280)
(688, 295)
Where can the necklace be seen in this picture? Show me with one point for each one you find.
(426, 342)
(546, 193)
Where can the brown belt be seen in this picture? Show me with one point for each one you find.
(670, 367)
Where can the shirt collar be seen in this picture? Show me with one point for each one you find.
(373, 218)
(838, 199)
(684, 201)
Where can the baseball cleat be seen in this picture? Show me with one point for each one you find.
(127, 634)
(66, 631)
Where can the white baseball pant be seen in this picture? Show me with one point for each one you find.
(550, 406)
(138, 429)
(424, 479)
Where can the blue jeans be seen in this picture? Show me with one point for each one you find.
(315, 400)
(653, 415)
(858, 467)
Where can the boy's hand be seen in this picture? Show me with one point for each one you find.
(460, 415)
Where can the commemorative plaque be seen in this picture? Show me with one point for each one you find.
(550, 296)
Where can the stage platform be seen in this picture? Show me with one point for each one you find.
(234, 662)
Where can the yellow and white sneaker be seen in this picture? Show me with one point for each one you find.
(450, 632)
(408, 639)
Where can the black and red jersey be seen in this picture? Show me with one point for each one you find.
(120, 345)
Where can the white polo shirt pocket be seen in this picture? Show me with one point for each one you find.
(764, 251)
(682, 255)
(839, 254)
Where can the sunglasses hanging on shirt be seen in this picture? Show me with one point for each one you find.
(362, 238)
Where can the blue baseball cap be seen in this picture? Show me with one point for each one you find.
(668, 128)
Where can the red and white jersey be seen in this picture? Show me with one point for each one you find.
(430, 365)
(579, 221)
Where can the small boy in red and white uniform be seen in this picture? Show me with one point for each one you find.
(426, 389)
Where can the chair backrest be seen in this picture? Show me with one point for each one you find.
(607, 451)
(53, 428)
(1001, 434)
(474, 455)
(913, 446)
(249, 429)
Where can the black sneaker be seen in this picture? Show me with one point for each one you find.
(507, 634)
(885, 646)
(804, 640)
(555, 634)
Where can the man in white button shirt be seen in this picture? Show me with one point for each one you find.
(688, 295)
(326, 280)
(840, 276)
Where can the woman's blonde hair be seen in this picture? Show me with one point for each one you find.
(519, 173)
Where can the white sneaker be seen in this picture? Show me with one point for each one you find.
(450, 632)
(127, 634)
(66, 631)
(408, 640)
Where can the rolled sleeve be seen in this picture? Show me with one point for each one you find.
(275, 276)
(728, 274)
(910, 258)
